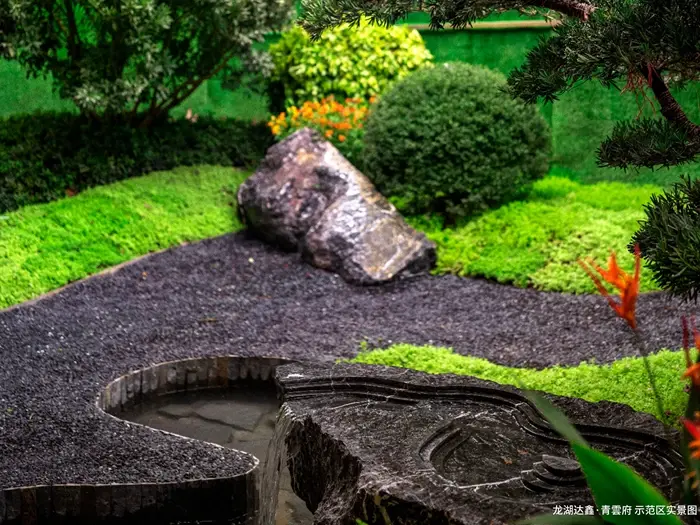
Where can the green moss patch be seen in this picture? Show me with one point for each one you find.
(46, 246)
(538, 241)
(532, 242)
(624, 381)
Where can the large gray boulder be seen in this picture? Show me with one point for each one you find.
(306, 196)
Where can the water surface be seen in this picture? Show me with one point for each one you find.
(241, 418)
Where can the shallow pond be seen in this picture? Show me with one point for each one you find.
(242, 419)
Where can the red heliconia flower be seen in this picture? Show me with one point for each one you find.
(627, 285)
(694, 430)
(692, 369)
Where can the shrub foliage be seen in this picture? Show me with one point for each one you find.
(341, 123)
(135, 60)
(447, 140)
(614, 42)
(669, 238)
(45, 157)
(347, 62)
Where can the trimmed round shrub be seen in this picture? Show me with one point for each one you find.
(345, 62)
(448, 140)
(669, 239)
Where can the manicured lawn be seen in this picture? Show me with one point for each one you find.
(533, 242)
(624, 381)
(46, 246)
(538, 241)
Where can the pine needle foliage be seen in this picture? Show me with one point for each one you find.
(670, 239)
(643, 45)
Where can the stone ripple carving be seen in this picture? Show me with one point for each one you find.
(414, 447)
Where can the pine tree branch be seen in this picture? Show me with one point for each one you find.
(320, 15)
(647, 143)
(670, 108)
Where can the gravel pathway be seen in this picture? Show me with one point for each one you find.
(231, 295)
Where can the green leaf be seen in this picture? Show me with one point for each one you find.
(550, 519)
(613, 483)
(555, 417)
(348, 54)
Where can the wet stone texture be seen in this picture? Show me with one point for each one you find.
(402, 447)
(306, 196)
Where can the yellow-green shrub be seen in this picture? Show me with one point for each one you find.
(347, 62)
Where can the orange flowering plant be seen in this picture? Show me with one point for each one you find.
(613, 483)
(341, 123)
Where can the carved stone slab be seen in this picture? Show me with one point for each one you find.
(389, 445)
(306, 196)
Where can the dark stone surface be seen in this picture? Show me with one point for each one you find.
(208, 299)
(410, 448)
(13, 506)
(306, 196)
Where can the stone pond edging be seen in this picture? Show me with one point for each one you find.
(228, 499)
(306, 389)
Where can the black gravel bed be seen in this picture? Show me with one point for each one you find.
(235, 296)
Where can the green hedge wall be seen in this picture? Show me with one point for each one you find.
(580, 120)
(52, 155)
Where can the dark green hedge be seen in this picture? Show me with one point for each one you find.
(44, 156)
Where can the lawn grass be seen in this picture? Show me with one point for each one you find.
(46, 246)
(538, 241)
(624, 381)
(533, 242)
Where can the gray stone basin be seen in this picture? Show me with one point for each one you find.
(241, 417)
(389, 445)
